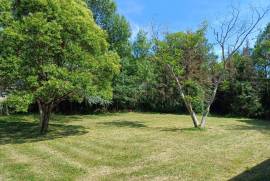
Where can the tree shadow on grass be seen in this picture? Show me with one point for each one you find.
(257, 173)
(58, 118)
(64, 119)
(251, 124)
(183, 129)
(14, 130)
(123, 123)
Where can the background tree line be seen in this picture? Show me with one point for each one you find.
(145, 85)
(124, 74)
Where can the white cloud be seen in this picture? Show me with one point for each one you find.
(131, 7)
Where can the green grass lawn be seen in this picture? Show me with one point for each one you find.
(134, 146)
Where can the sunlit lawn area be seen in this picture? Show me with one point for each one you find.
(134, 146)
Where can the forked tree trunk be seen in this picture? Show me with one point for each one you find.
(207, 110)
(189, 106)
(45, 113)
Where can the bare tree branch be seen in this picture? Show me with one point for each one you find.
(233, 33)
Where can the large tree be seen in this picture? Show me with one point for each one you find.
(58, 53)
(230, 37)
(189, 60)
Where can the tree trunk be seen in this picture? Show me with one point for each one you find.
(189, 108)
(187, 104)
(193, 115)
(6, 111)
(204, 116)
(207, 110)
(45, 113)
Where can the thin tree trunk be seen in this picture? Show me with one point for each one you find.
(6, 111)
(45, 113)
(187, 104)
(207, 110)
(193, 116)
(204, 116)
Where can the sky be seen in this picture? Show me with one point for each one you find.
(182, 15)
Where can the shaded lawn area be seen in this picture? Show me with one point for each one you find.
(259, 172)
(134, 146)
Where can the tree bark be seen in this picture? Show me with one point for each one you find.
(193, 116)
(187, 104)
(45, 113)
(207, 110)
(6, 110)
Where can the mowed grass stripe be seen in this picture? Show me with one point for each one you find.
(63, 156)
(51, 166)
(18, 166)
(84, 157)
(96, 153)
(206, 140)
(134, 146)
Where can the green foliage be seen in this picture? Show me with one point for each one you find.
(97, 101)
(19, 101)
(247, 101)
(118, 33)
(136, 75)
(262, 53)
(185, 52)
(141, 46)
(117, 27)
(126, 85)
(261, 58)
(52, 50)
(160, 93)
(240, 93)
(190, 60)
(194, 94)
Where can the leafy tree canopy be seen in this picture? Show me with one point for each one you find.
(262, 53)
(52, 50)
(117, 27)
